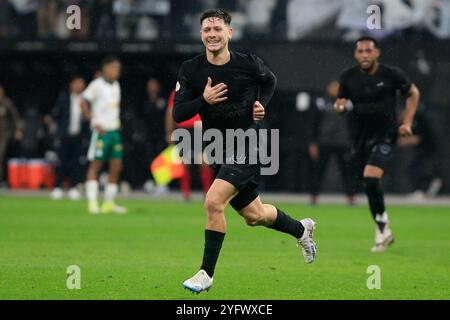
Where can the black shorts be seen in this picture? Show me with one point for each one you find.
(243, 177)
(376, 154)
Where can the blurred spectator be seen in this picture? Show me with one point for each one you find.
(70, 132)
(278, 21)
(437, 18)
(330, 135)
(153, 116)
(6, 19)
(153, 112)
(10, 125)
(306, 15)
(48, 18)
(103, 19)
(184, 18)
(140, 19)
(425, 180)
(259, 13)
(26, 15)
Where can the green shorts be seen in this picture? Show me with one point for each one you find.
(108, 146)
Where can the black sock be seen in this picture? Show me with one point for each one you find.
(376, 199)
(286, 224)
(213, 244)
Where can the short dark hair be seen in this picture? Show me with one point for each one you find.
(216, 13)
(109, 59)
(367, 38)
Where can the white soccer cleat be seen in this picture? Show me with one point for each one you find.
(112, 207)
(198, 283)
(306, 242)
(119, 209)
(383, 239)
(93, 207)
(74, 194)
(57, 194)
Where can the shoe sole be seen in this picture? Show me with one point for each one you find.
(388, 242)
(195, 291)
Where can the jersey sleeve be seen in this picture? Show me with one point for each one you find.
(186, 103)
(266, 80)
(90, 93)
(183, 88)
(401, 80)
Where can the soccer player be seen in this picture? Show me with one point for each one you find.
(330, 136)
(229, 90)
(103, 95)
(371, 87)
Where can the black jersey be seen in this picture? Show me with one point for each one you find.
(374, 100)
(248, 79)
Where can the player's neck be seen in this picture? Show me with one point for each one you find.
(110, 81)
(219, 58)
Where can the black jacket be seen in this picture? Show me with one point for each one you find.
(61, 115)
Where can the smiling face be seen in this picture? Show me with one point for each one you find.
(366, 54)
(215, 34)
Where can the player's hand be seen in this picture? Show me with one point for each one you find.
(100, 130)
(405, 130)
(313, 151)
(258, 111)
(216, 94)
(340, 105)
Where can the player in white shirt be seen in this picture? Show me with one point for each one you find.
(103, 96)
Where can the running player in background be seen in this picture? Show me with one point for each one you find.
(103, 96)
(372, 87)
(206, 173)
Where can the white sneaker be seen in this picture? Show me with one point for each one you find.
(112, 207)
(306, 242)
(93, 207)
(57, 194)
(198, 283)
(74, 194)
(119, 209)
(383, 239)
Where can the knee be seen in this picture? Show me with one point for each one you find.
(92, 170)
(253, 219)
(213, 205)
(117, 167)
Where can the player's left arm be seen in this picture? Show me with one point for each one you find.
(412, 103)
(267, 82)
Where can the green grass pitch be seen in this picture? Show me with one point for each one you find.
(149, 252)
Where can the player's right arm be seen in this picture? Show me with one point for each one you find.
(187, 104)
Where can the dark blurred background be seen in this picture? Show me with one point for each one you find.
(307, 43)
